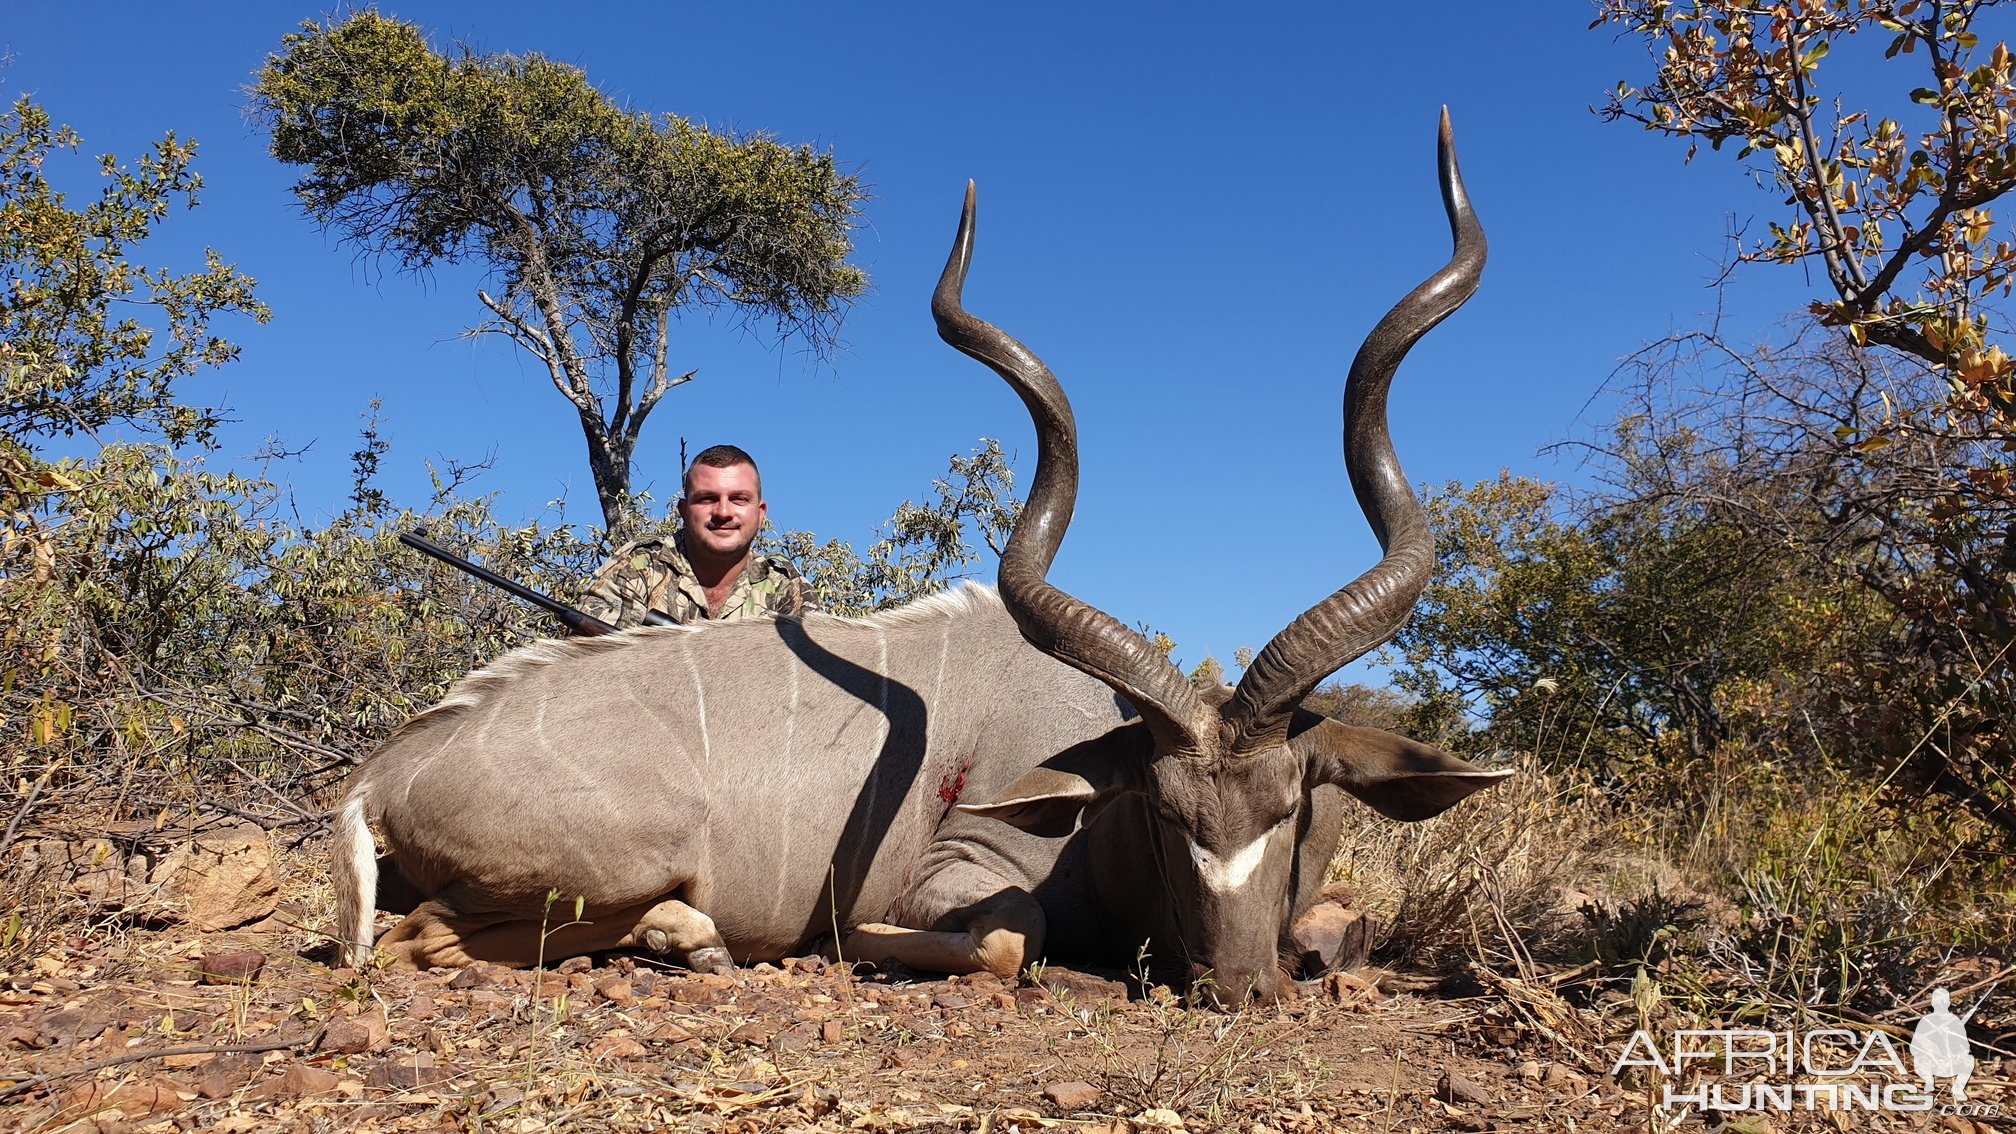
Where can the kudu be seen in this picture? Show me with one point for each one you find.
(734, 792)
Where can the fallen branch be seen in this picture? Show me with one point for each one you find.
(35, 1081)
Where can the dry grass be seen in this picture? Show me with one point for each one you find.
(1502, 869)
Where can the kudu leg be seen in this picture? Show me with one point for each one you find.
(1000, 935)
(675, 928)
(438, 934)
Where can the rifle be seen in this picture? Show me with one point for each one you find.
(576, 622)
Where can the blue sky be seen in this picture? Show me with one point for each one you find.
(1192, 214)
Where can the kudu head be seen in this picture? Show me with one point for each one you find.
(1225, 775)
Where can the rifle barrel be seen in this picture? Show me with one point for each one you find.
(576, 622)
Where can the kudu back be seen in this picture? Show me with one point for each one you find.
(967, 783)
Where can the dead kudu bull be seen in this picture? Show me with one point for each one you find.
(736, 792)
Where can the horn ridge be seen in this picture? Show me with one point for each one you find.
(1371, 609)
(1065, 627)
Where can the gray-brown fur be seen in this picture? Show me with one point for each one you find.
(835, 741)
(959, 785)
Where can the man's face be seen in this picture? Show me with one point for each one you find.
(723, 510)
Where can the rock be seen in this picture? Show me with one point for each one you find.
(300, 1081)
(467, 978)
(227, 1074)
(1161, 1117)
(755, 1033)
(1061, 983)
(1329, 937)
(1564, 1078)
(1071, 1095)
(1349, 988)
(832, 1032)
(215, 881)
(345, 1037)
(691, 991)
(618, 1047)
(616, 990)
(407, 1074)
(1342, 893)
(422, 1007)
(573, 965)
(72, 1026)
(668, 1032)
(1455, 1089)
(1529, 1071)
(131, 1100)
(951, 1001)
(231, 966)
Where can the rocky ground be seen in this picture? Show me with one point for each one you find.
(179, 1028)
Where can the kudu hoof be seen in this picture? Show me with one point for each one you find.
(712, 959)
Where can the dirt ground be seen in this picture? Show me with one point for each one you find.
(173, 1030)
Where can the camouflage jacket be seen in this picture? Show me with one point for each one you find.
(653, 574)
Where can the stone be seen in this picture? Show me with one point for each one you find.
(1564, 1078)
(227, 1074)
(300, 1081)
(616, 990)
(668, 1032)
(1329, 937)
(345, 1037)
(422, 1007)
(618, 1047)
(832, 1032)
(407, 1074)
(230, 966)
(1071, 1095)
(215, 881)
(1456, 1090)
(72, 1026)
(1084, 987)
(755, 1033)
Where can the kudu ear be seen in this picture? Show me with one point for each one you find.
(1397, 777)
(1067, 791)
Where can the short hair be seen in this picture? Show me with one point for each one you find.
(720, 457)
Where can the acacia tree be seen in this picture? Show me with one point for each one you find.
(600, 223)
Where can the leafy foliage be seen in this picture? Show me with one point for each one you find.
(78, 351)
(924, 546)
(1882, 197)
(1895, 441)
(1614, 629)
(601, 223)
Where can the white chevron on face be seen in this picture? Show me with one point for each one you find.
(1226, 874)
